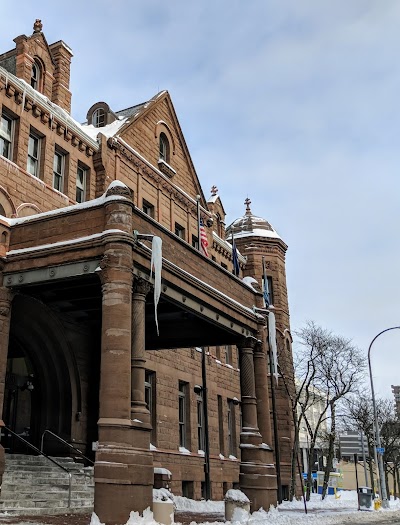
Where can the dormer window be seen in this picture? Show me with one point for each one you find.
(164, 148)
(35, 75)
(99, 118)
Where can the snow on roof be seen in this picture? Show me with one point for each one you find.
(42, 100)
(59, 211)
(228, 246)
(258, 232)
(108, 131)
(250, 282)
(213, 198)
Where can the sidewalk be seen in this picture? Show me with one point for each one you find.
(183, 517)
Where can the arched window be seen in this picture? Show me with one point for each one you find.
(35, 75)
(99, 118)
(164, 148)
(2, 211)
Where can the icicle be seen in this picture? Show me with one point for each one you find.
(156, 262)
(272, 343)
(23, 100)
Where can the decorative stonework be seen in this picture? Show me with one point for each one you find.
(31, 104)
(141, 286)
(166, 169)
(120, 190)
(174, 193)
(37, 26)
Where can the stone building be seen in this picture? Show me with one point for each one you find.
(91, 347)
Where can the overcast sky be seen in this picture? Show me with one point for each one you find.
(294, 104)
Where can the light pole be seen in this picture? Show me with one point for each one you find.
(385, 502)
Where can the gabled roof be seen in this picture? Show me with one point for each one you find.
(130, 116)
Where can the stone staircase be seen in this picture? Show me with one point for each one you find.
(34, 485)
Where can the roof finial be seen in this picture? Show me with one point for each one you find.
(37, 26)
(248, 202)
(214, 190)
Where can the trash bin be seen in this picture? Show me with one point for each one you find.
(365, 498)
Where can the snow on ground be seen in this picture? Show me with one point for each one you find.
(330, 511)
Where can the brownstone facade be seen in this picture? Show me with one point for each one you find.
(79, 206)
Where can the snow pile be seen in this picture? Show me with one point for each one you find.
(347, 499)
(162, 495)
(237, 496)
(330, 511)
(203, 506)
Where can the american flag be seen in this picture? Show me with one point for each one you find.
(203, 238)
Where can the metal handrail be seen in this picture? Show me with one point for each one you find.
(46, 456)
(65, 443)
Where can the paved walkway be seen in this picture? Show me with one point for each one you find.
(84, 519)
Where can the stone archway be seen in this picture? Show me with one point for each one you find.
(39, 355)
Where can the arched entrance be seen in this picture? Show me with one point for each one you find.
(42, 382)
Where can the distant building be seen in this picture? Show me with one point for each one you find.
(313, 412)
(396, 393)
(81, 353)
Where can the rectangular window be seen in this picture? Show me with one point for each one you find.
(188, 489)
(195, 242)
(224, 266)
(179, 231)
(148, 208)
(200, 422)
(221, 426)
(58, 170)
(6, 136)
(33, 165)
(81, 180)
(150, 398)
(270, 289)
(183, 414)
(231, 428)
(228, 354)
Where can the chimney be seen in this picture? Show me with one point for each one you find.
(61, 55)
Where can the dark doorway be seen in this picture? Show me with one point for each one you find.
(40, 373)
(20, 401)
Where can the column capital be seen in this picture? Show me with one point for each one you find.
(6, 296)
(247, 342)
(259, 347)
(141, 286)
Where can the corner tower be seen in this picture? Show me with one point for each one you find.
(257, 240)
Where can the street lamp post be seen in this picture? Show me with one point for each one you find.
(377, 434)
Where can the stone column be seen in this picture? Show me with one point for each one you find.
(123, 471)
(262, 390)
(139, 411)
(257, 474)
(5, 315)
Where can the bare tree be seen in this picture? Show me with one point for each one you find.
(328, 368)
(360, 416)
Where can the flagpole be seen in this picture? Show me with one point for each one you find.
(198, 223)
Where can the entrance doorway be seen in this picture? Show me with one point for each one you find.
(19, 412)
(38, 384)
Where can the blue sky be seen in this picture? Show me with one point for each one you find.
(291, 103)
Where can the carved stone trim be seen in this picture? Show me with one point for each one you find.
(141, 286)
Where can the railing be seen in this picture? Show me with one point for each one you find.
(46, 456)
(65, 443)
